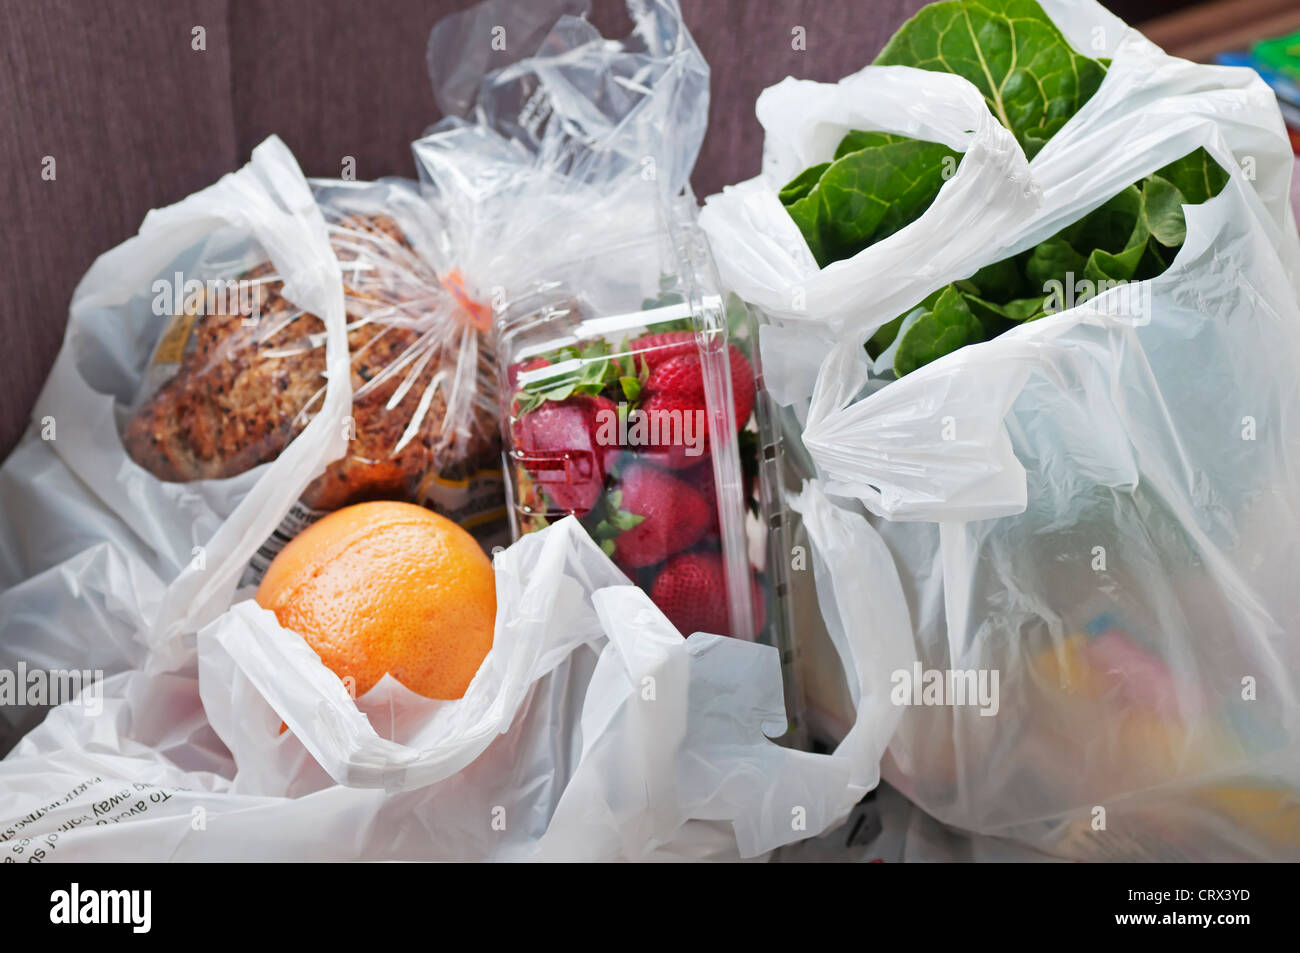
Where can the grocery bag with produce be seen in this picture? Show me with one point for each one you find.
(1069, 435)
(180, 503)
(552, 734)
(387, 694)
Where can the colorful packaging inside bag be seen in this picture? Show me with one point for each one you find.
(239, 370)
(622, 403)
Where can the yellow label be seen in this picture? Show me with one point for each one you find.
(172, 346)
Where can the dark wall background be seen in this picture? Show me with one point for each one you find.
(135, 118)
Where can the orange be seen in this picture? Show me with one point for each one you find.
(387, 587)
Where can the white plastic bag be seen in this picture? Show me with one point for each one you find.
(1096, 508)
(565, 189)
(192, 539)
(592, 731)
(1118, 549)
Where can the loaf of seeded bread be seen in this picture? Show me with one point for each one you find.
(245, 388)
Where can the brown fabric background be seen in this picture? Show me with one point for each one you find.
(135, 118)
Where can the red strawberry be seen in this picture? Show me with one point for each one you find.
(702, 476)
(681, 428)
(559, 445)
(674, 389)
(673, 515)
(691, 590)
(654, 349)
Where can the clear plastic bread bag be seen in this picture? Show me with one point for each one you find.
(239, 370)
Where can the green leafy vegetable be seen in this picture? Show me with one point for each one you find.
(802, 184)
(1162, 211)
(877, 182)
(1197, 176)
(884, 336)
(1133, 236)
(948, 326)
(1034, 83)
(1031, 78)
(865, 194)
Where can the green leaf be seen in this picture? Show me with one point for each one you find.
(1035, 139)
(877, 182)
(1162, 211)
(867, 195)
(1031, 78)
(1000, 317)
(1053, 260)
(993, 317)
(667, 297)
(616, 521)
(1110, 226)
(563, 392)
(1155, 259)
(1196, 175)
(998, 280)
(624, 521)
(1103, 266)
(607, 547)
(936, 333)
(631, 388)
(858, 139)
(802, 184)
(1025, 309)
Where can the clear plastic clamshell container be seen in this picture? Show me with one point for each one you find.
(626, 403)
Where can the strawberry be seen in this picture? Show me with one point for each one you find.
(557, 444)
(656, 349)
(653, 349)
(652, 515)
(675, 389)
(701, 476)
(691, 590)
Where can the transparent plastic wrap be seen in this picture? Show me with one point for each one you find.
(568, 212)
(239, 369)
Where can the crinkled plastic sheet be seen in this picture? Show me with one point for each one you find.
(592, 731)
